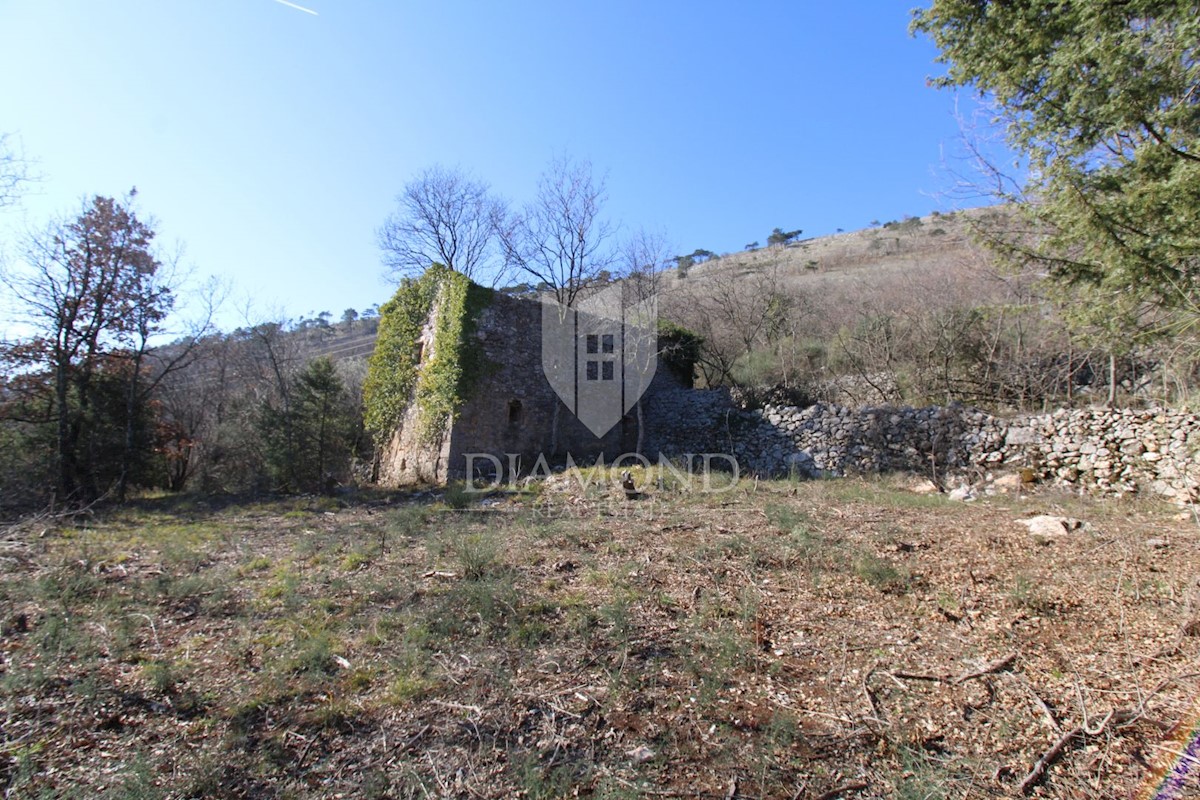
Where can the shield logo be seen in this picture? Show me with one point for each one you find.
(601, 354)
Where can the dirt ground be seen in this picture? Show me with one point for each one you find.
(825, 639)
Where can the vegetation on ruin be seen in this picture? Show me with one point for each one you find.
(399, 374)
(679, 349)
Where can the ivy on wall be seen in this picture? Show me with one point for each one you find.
(438, 382)
(679, 349)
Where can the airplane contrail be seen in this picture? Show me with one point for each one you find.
(298, 8)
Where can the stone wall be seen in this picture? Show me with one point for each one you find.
(841, 440)
(680, 420)
(514, 415)
(407, 459)
(1098, 450)
(1112, 450)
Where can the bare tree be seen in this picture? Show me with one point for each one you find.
(644, 258)
(559, 239)
(444, 216)
(736, 309)
(211, 411)
(13, 172)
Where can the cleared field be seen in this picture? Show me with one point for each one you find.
(814, 640)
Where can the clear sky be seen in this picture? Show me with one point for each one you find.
(271, 141)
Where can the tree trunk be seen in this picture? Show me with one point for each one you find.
(641, 429)
(130, 428)
(1071, 375)
(66, 447)
(1112, 380)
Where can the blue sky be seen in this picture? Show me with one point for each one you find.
(271, 142)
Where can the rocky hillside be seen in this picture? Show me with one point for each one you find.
(903, 247)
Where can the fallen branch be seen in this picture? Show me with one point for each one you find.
(832, 794)
(1037, 698)
(412, 740)
(476, 710)
(876, 709)
(999, 665)
(919, 676)
(1115, 717)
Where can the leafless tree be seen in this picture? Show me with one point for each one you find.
(445, 216)
(13, 171)
(559, 240)
(644, 258)
(210, 412)
(736, 308)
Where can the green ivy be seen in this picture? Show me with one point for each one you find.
(679, 349)
(450, 372)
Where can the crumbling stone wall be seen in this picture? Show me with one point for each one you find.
(516, 416)
(841, 440)
(408, 458)
(681, 420)
(1097, 450)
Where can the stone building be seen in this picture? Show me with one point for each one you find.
(517, 418)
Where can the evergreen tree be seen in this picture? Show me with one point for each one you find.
(310, 437)
(1100, 97)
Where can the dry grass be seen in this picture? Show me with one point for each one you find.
(777, 640)
(908, 250)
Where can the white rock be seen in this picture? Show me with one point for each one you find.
(923, 486)
(640, 754)
(1008, 483)
(963, 494)
(1047, 525)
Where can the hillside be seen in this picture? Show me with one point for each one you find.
(904, 248)
(930, 243)
(920, 312)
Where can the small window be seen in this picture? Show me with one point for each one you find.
(593, 343)
(418, 352)
(606, 343)
(607, 371)
(514, 412)
(593, 370)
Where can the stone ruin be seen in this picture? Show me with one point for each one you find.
(519, 425)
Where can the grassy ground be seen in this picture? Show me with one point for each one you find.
(812, 640)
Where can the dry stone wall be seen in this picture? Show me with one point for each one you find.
(841, 440)
(1112, 450)
(1106, 451)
